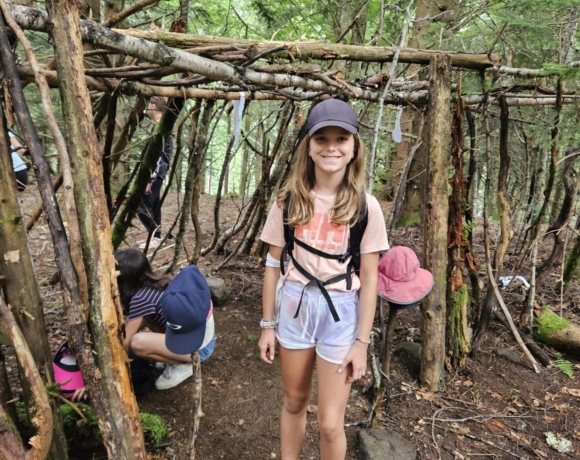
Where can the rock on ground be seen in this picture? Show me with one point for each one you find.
(380, 444)
(219, 291)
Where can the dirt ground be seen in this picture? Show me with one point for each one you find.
(491, 407)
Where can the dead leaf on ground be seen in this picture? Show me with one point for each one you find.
(426, 395)
(241, 421)
(497, 425)
(536, 402)
(496, 395)
(574, 392)
(312, 409)
(562, 407)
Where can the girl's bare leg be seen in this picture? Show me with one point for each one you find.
(151, 346)
(333, 392)
(296, 367)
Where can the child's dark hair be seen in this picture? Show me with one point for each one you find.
(136, 273)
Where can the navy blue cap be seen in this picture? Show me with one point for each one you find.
(186, 305)
(332, 112)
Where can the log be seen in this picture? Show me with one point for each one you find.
(40, 443)
(433, 308)
(558, 332)
(112, 394)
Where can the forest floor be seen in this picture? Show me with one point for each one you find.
(491, 407)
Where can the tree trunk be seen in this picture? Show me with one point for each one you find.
(506, 232)
(433, 308)
(412, 211)
(458, 250)
(20, 286)
(115, 405)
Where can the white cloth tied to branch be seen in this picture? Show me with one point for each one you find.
(505, 280)
(238, 112)
(397, 133)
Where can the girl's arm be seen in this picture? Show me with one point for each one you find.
(367, 304)
(131, 328)
(271, 276)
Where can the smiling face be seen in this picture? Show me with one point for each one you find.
(331, 149)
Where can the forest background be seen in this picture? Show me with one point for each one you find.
(508, 149)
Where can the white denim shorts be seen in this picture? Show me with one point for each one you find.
(314, 326)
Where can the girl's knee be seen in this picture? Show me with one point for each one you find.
(331, 428)
(296, 403)
(139, 345)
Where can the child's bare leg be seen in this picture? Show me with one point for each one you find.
(296, 367)
(151, 346)
(333, 392)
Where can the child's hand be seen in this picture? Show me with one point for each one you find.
(357, 357)
(267, 345)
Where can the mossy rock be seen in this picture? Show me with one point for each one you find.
(556, 331)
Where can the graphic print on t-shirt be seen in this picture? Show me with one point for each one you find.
(321, 233)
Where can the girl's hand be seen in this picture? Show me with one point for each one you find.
(357, 357)
(267, 345)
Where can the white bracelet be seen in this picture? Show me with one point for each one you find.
(268, 324)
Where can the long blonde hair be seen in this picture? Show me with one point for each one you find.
(302, 180)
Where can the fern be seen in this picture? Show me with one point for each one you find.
(565, 366)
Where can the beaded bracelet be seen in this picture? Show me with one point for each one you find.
(268, 324)
(363, 341)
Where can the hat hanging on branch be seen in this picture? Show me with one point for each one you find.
(402, 281)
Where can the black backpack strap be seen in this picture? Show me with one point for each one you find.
(356, 234)
(288, 235)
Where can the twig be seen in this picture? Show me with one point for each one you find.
(66, 401)
(352, 24)
(470, 436)
(134, 8)
(404, 31)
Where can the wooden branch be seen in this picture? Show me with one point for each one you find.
(30, 18)
(58, 139)
(42, 413)
(433, 308)
(114, 404)
(196, 410)
(134, 8)
(57, 183)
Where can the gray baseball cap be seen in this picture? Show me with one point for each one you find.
(332, 112)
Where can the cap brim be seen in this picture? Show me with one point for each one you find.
(341, 124)
(184, 344)
(406, 292)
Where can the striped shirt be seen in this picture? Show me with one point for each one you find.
(145, 304)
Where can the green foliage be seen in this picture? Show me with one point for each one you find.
(409, 219)
(564, 71)
(75, 427)
(154, 428)
(564, 365)
(253, 338)
(468, 228)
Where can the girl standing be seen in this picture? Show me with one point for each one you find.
(322, 324)
(177, 326)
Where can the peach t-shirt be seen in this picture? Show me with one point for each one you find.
(323, 235)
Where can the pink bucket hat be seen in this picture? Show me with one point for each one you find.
(401, 279)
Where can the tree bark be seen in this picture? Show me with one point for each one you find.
(459, 344)
(506, 231)
(21, 288)
(113, 397)
(433, 308)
